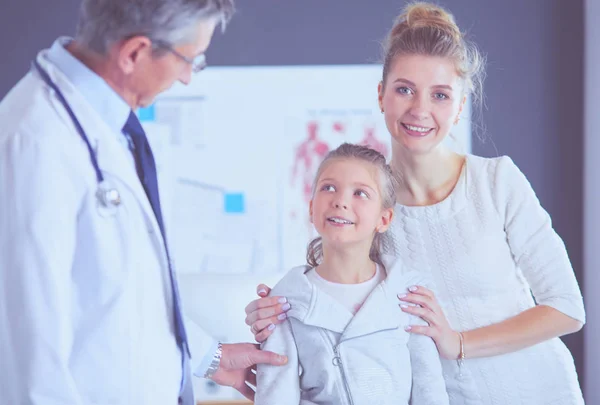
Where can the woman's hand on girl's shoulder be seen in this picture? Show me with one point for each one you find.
(426, 306)
(263, 314)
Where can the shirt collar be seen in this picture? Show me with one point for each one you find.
(103, 99)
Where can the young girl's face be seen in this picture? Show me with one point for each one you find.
(421, 100)
(347, 206)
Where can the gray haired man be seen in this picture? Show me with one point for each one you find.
(89, 305)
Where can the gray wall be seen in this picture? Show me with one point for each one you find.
(592, 196)
(534, 88)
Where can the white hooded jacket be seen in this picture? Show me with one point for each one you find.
(337, 358)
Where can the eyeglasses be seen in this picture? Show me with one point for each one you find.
(198, 63)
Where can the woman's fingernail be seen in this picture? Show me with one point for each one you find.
(401, 295)
(407, 328)
(281, 317)
(282, 300)
(271, 327)
(413, 288)
(262, 291)
(286, 307)
(403, 306)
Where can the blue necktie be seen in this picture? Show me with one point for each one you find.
(146, 169)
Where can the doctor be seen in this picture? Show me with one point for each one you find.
(89, 306)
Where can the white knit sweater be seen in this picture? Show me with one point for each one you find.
(488, 248)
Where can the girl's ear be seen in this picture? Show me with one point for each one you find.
(387, 215)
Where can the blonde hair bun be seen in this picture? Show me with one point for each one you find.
(426, 15)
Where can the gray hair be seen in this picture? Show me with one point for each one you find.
(104, 22)
(387, 186)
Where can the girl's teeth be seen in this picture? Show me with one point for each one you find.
(417, 129)
(339, 221)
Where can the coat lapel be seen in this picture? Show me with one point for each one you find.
(113, 159)
(331, 314)
(379, 312)
(116, 165)
(310, 305)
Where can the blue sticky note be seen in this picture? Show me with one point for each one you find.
(147, 114)
(234, 203)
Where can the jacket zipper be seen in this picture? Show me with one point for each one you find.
(337, 362)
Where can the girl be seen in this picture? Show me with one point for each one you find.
(345, 339)
(505, 287)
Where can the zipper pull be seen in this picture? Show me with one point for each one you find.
(337, 361)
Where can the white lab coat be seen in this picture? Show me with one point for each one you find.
(85, 299)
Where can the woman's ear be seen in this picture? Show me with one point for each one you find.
(380, 96)
(460, 109)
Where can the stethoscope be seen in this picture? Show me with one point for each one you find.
(107, 195)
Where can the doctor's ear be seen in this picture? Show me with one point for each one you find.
(310, 211)
(132, 51)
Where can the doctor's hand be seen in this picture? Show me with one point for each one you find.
(238, 366)
(426, 306)
(264, 313)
